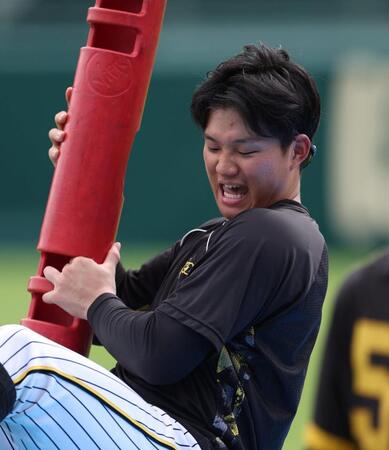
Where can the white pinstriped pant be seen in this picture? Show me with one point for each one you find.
(65, 401)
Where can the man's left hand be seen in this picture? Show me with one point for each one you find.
(81, 282)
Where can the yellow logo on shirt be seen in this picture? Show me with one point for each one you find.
(188, 266)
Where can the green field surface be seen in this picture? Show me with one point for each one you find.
(17, 264)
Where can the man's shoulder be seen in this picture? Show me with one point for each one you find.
(212, 223)
(378, 266)
(285, 223)
(369, 273)
(366, 288)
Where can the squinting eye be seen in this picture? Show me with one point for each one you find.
(248, 153)
(213, 149)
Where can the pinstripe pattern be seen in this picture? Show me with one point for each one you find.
(65, 401)
(6, 441)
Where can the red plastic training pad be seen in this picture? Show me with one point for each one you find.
(85, 200)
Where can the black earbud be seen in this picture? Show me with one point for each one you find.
(308, 159)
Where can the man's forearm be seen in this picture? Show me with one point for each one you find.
(147, 344)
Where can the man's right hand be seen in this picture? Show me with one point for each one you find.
(57, 135)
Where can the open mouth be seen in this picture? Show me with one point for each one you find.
(233, 192)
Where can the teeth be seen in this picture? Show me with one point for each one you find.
(231, 191)
(233, 196)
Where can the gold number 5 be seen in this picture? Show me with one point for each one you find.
(370, 338)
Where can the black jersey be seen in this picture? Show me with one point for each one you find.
(352, 406)
(247, 290)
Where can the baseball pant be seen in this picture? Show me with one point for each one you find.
(66, 401)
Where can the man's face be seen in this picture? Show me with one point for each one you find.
(245, 170)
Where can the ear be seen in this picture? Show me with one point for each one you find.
(300, 148)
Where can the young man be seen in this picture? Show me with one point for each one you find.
(352, 403)
(233, 307)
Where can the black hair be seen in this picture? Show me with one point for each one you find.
(275, 96)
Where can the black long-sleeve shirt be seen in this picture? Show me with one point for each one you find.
(234, 310)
